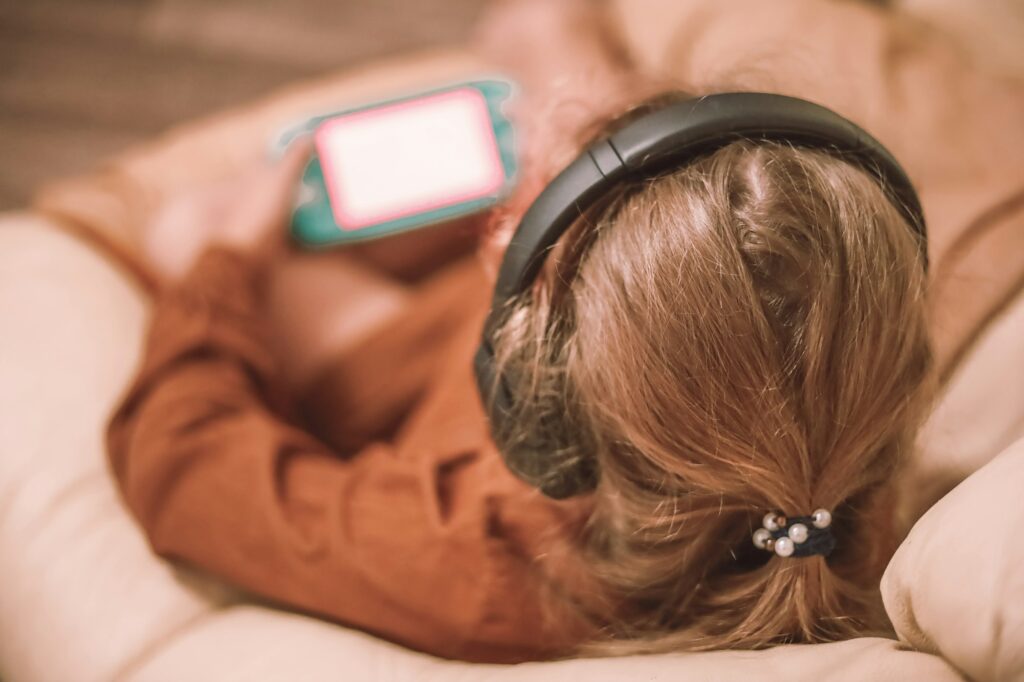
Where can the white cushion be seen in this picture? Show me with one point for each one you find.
(956, 584)
(989, 30)
(248, 643)
(80, 593)
(980, 414)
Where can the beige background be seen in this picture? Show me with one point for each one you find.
(82, 79)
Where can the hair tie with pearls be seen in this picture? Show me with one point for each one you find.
(796, 537)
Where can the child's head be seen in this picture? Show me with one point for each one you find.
(743, 335)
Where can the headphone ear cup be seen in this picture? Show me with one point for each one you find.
(536, 448)
(558, 469)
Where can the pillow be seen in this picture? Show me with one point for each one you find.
(956, 584)
(980, 414)
(80, 591)
(251, 643)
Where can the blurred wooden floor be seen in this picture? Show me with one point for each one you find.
(82, 79)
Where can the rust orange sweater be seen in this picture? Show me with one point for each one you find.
(422, 537)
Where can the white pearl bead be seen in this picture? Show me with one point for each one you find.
(769, 521)
(821, 518)
(761, 536)
(798, 533)
(784, 547)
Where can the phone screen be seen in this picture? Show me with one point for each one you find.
(409, 157)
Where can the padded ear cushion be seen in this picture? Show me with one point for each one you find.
(559, 470)
(549, 463)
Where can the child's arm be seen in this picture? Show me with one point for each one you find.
(399, 538)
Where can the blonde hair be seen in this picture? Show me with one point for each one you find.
(742, 335)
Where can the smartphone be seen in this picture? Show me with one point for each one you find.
(404, 164)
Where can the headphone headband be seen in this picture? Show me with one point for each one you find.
(668, 138)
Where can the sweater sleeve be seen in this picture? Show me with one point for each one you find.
(218, 477)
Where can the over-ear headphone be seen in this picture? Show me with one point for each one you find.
(660, 141)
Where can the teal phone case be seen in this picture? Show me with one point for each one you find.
(313, 223)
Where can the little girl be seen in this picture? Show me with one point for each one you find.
(732, 342)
